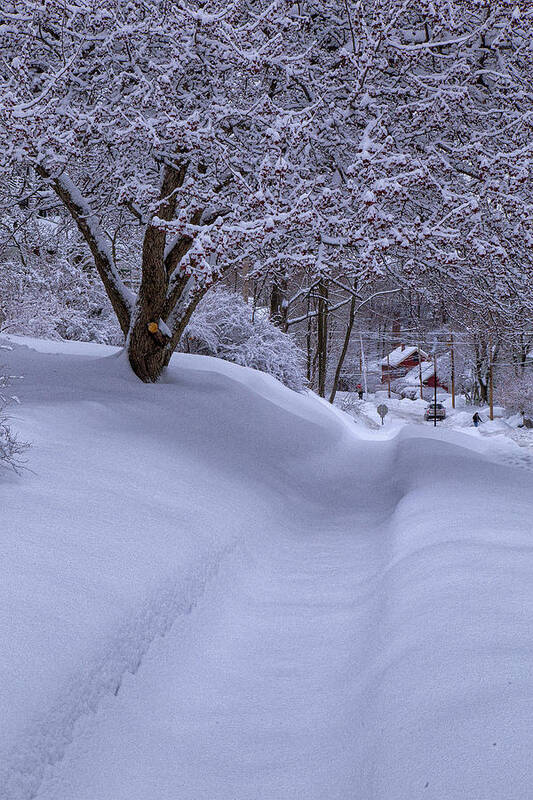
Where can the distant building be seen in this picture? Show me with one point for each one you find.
(401, 361)
(406, 361)
(428, 374)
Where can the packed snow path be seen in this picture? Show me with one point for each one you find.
(263, 698)
(328, 613)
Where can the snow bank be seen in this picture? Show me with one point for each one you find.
(369, 631)
(134, 501)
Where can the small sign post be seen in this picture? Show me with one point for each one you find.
(382, 411)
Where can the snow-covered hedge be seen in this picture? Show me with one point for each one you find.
(223, 326)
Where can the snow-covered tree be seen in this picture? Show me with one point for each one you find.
(320, 142)
(428, 137)
(469, 245)
(515, 391)
(162, 110)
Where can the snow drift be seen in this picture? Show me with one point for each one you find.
(217, 588)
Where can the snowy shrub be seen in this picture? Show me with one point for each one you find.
(48, 290)
(63, 303)
(515, 392)
(410, 392)
(222, 326)
(348, 382)
(11, 449)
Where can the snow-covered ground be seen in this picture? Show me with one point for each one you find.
(216, 589)
(502, 439)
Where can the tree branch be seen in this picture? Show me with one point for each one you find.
(121, 297)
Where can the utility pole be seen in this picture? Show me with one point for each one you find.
(435, 394)
(420, 373)
(453, 370)
(491, 382)
(363, 362)
(388, 372)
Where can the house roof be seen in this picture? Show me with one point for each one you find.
(398, 356)
(428, 370)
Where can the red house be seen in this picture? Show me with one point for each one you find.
(428, 373)
(398, 363)
(408, 361)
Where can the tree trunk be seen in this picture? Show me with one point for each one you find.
(309, 343)
(483, 387)
(278, 302)
(147, 356)
(322, 336)
(149, 347)
(146, 343)
(345, 346)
